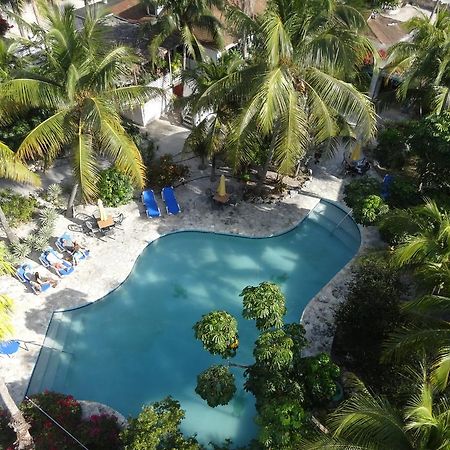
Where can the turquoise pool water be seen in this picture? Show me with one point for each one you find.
(136, 346)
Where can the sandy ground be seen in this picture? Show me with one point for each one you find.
(112, 260)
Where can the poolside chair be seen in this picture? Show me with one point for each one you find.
(61, 243)
(168, 195)
(9, 347)
(23, 274)
(151, 207)
(386, 186)
(68, 268)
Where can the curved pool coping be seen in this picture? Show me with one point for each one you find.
(273, 235)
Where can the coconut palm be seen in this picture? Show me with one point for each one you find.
(186, 17)
(427, 240)
(208, 137)
(428, 331)
(293, 88)
(369, 422)
(85, 84)
(17, 421)
(424, 62)
(13, 169)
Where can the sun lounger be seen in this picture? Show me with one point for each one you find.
(149, 201)
(23, 274)
(68, 268)
(64, 242)
(168, 195)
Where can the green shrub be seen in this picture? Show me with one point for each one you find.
(369, 314)
(369, 210)
(359, 188)
(319, 375)
(17, 208)
(21, 250)
(114, 187)
(391, 148)
(53, 194)
(403, 193)
(164, 172)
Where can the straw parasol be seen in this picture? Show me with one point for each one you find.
(101, 210)
(221, 189)
(357, 152)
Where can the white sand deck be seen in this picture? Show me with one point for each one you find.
(112, 260)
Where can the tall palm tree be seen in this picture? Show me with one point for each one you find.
(13, 169)
(208, 137)
(296, 84)
(185, 17)
(369, 422)
(427, 240)
(429, 331)
(84, 82)
(424, 62)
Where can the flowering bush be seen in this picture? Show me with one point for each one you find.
(4, 26)
(101, 432)
(165, 172)
(64, 409)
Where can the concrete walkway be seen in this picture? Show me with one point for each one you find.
(91, 281)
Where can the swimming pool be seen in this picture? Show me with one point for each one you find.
(137, 346)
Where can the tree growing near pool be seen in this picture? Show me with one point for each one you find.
(286, 386)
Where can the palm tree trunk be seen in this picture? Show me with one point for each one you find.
(70, 204)
(263, 174)
(184, 57)
(213, 168)
(17, 421)
(12, 237)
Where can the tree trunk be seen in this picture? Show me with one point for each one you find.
(36, 12)
(213, 168)
(17, 422)
(12, 237)
(202, 165)
(184, 57)
(265, 169)
(70, 204)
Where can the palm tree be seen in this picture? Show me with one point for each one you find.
(185, 17)
(424, 62)
(208, 137)
(85, 85)
(369, 422)
(13, 169)
(293, 87)
(427, 240)
(429, 331)
(17, 421)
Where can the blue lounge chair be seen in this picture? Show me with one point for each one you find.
(9, 347)
(61, 244)
(23, 274)
(386, 186)
(168, 195)
(149, 201)
(68, 268)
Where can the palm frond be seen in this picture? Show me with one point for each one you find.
(12, 168)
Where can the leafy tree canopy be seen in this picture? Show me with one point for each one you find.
(265, 304)
(216, 385)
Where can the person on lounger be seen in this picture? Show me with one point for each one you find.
(55, 262)
(43, 280)
(77, 250)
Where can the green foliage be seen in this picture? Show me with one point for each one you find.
(17, 208)
(391, 148)
(114, 187)
(216, 385)
(369, 210)
(360, 188)
(274, 350)
(265, 304)
(63, 408)
(157, 427)
(20, 250)
(430, 141)
(218, 332)
(319, 375)
(53, 194)
(284, 423)
(403, 193)
(165, 172)
(369, 314)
